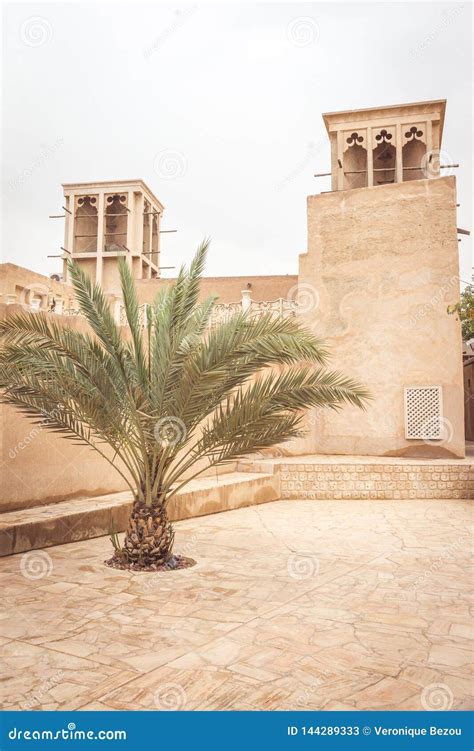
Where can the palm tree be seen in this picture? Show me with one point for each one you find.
(170, 399)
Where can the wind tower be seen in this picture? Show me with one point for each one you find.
(382, 264)
(105, 220)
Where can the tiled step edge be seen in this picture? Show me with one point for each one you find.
(313, 479)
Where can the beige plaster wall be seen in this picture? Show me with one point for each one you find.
(16, 280)
(41, 467)
(381, 269)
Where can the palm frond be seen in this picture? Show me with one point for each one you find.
(234, 388)
(132, 312)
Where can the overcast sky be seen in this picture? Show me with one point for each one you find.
(218, 108)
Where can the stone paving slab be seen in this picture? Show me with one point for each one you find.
(292, 605)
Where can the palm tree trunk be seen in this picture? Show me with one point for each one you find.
(149, 536)
(148, 542)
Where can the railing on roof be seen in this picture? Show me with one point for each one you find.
(222, 312)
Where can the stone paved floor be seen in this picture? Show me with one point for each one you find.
(293, 605)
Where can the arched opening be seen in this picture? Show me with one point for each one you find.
(86, 221)
(413, 153)
(355, 163)
(384, 159)
(116, 216)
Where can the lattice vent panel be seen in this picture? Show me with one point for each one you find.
(423, 413)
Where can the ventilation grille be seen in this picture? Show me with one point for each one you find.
(423, 413)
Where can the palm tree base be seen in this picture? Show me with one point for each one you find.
(148, 542)
(173, 563)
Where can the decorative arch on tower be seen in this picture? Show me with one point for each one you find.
(384, 157)
(86, 224)
(355, 160)
(116, 220)
(414, 152)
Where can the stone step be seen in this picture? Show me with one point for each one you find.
(322, 477)
(81, 519)
(255, 481)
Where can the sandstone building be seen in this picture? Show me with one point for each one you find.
(376, 282)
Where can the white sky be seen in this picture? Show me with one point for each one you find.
(235, 96)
